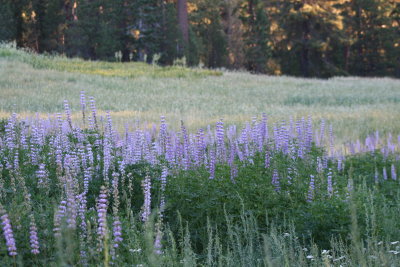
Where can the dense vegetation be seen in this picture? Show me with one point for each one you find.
(272, 195)
(307, 38)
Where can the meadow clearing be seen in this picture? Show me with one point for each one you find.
(356, 107)
(130, 187)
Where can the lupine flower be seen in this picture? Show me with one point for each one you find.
(94, 113)
(384, 174)
(393, 172)
(267, 162)
(83, 105)
(67, 113)
(8, 234)
(146, 209)
(117, 232)
(33, 236)
(275, 181)
(329, 182)
(311, 189)
(102, 216)
(58, 217)
(42, 176)
(211, 166)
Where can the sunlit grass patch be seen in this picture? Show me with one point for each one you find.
(102, 68)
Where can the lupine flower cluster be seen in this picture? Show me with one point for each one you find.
(8, 234)
(82, 157)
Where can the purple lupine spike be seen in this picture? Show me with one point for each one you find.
(94, 113)
(68, 113)
(329, 182)
(8, 233)
(275, 181)
(146, 208)
(109, 127)
(311, 189)
(164, 175)
(72, 207)
(234, 173)
(33, 236)
(163, 135)
(185, 147)
(267, 162)
(83, 106)
(16, 161)
(211, 166)
(42, 176)
(384, 174)
(289, 175)
(393, 173)
(232, 153)
(220, 136)
(157, 242)
(102, 215)
(309, 136)
(264, 129)
(117, 232)
(58, 217)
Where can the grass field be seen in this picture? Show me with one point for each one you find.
(31, 84)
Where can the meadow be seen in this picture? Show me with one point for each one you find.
(193, 167)
(356, 107)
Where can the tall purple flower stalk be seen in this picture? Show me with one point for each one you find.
(211, 167)
(393, 172)
(311, 189)
(94, 113)
(275, 181)
(83, 106)
(384, 173)
(329, 182)
(146, 208)
(33, 236)
(68, 113)
(58, 218)
(102, 216)
(8, 233)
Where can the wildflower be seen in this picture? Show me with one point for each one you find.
(310, 257)
(146, 209)
(33, 237)
(102, 214)
(275, 181)
(310, 195)
(393, 172)
(8, 234)
(330, 187)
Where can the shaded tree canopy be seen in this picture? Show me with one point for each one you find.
(310, 38)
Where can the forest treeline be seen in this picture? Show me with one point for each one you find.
(310, 38)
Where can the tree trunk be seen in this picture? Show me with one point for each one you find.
(183, 19)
